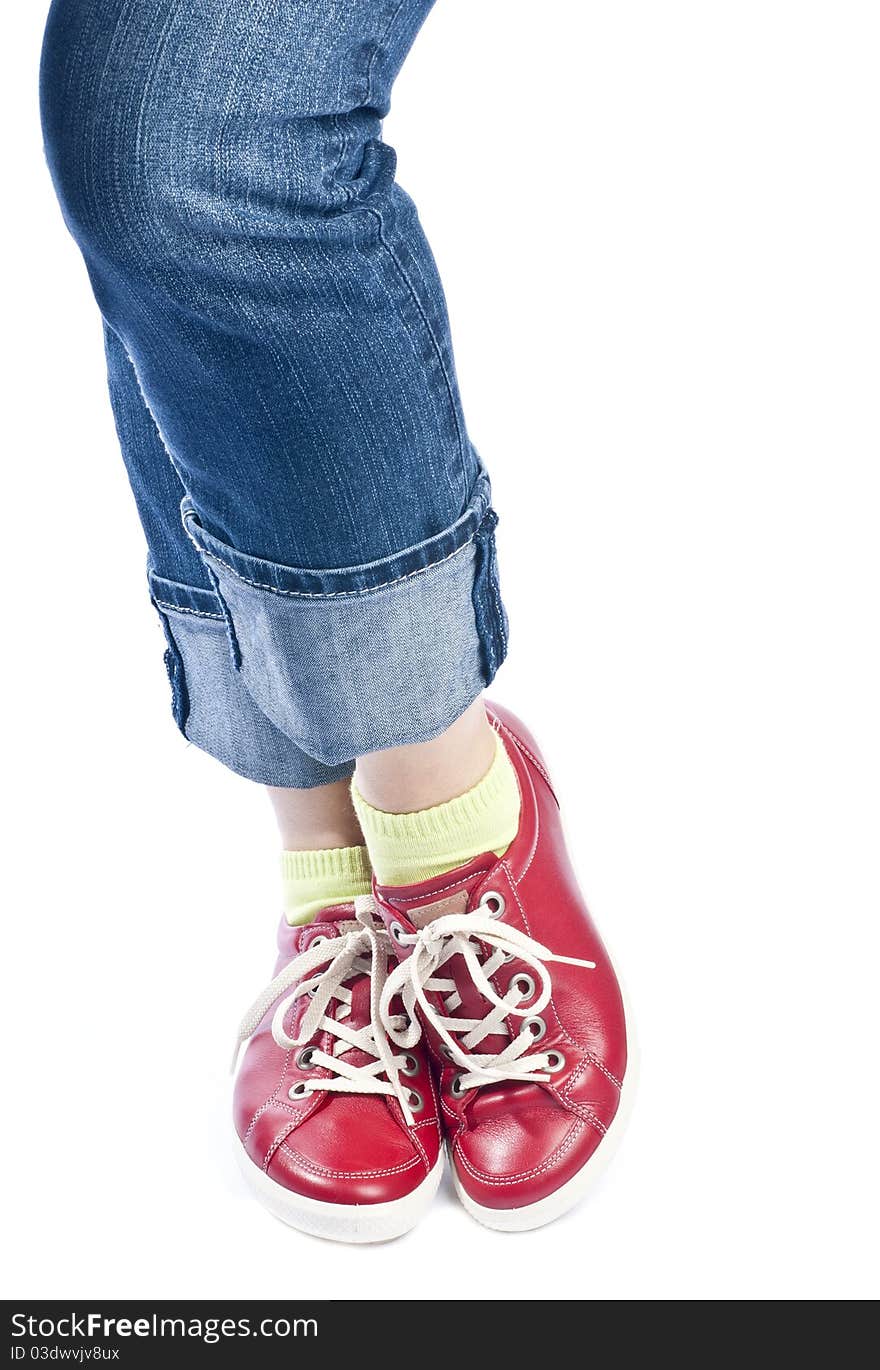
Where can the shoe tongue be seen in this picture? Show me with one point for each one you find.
(340, 915)
(447, 893)
(360, 1004)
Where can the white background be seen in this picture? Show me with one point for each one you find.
(658, 225)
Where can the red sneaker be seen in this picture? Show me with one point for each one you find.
(340, 1130)
(522, 1010)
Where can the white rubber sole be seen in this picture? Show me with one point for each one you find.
(340, 1222)
(530, 1216)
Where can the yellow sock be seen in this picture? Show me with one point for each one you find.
(406, 848)
(314, 880)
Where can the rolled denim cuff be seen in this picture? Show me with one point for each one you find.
(356, 659)
(212, 706)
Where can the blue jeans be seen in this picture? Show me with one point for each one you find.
(320, 530)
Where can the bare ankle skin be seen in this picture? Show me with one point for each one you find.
(406, 779)
(399, 780)
(317, 819)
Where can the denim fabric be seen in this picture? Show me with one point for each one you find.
(211, 703)
(280, 361)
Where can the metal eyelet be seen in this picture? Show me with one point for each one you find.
(397, 932)
(524, 984)
(410, 1066)
(316, 941)
(297, 1091)
(304, 1059)
(507, 957)
(493, 903)
(456, 1086)
(313, 988)
(536, 1028)
(555, 1062)
(446, 1051)
(416, 1102)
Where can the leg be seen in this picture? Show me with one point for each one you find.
(211, 706)
(270, 283)
(224, 175)
(316, 820)
(405, 779)
(267, 291)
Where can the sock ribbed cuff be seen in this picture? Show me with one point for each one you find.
(314, 880)
(406, 848)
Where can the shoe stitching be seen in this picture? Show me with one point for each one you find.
(294, 1112)
(585, 1114)
(433, 1121)
(450, 1112)
(432, 1084)
(317, 1169)
(518, 742)
(589, 1059)
(424, 898)
(273, 1097)
(559, 1022)
(564, 1096)
(524, 872)
(594, 1060)
(280, 1136)
(563, 1148)
(417, 1141)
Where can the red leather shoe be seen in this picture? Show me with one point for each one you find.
(340, 1131)
(522, 1011)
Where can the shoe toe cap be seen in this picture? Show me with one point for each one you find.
(519, 1150)
(350, 1151)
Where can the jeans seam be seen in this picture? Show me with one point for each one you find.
(333, 594)
(179, 609)
(401, 270)
(438, 353)
(392, 20)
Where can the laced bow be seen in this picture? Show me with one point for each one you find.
(322, 973)
(462, 935)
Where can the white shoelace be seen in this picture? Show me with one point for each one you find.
(462, 935)
(366, 951)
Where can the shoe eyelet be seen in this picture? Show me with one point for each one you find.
(298, 1091)
(416, 1102)
(555, 1062)
(316, 941)
(536, 1028)
(493, 903)
(304, 1059)
(524, 984)
(456, 1087)
(398, 933)
(410, 1066)
(507, 957)
(313, 988)
(446, 1051)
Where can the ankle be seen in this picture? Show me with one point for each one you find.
(408, 848)
(411, 779)
(317, 819)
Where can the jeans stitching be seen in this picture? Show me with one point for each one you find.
(384, 39)
(332, 594)
(179, 609)
(414, 296)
